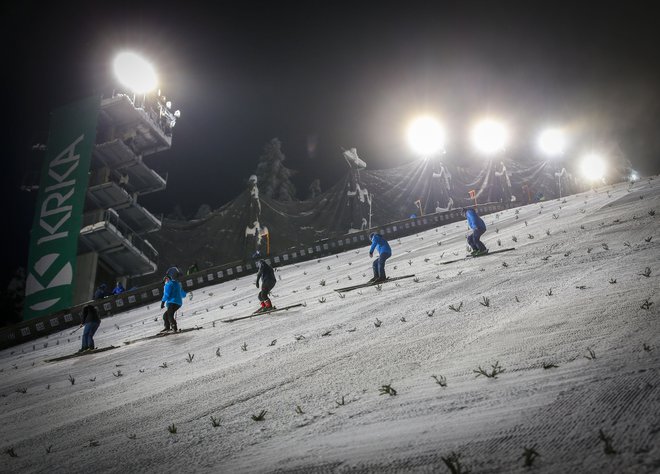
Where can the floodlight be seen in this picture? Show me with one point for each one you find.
(168, 104)
(634, 176)
(593, 167)
(135, 73)
(552, 142)
(426, 136)
(489, 137)
(177, 114)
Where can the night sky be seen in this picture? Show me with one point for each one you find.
(321, 75)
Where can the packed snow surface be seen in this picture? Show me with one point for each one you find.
(570, 317)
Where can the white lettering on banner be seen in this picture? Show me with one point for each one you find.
(55, 203)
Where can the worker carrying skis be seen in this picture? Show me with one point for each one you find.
(173, 295)
(267, 276)
(379, 243)
(478, 227)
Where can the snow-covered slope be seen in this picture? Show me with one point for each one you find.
(575, 287)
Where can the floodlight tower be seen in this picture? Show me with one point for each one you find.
(552, 143)
(593, 167)
(490, 138)
(427, 137)
(135, 122)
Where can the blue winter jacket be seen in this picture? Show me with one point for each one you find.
(474, 221)
(379, 243)
(173, 293)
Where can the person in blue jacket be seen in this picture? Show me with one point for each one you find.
(173, 295)
(379, 243)
(118, 289)
(478, 227)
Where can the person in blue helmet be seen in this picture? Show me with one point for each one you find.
(478, 227)
(173, 295)
(379, 243)
(267, 276)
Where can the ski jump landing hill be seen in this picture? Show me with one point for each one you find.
(547, 355)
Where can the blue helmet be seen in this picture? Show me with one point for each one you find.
(371, 236)
(173, 273)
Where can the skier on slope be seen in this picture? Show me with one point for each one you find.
(268, 280)
(173, 295)
(91, 321)
(478, 227)
(379, 243)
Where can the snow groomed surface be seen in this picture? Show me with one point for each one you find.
(571, 317)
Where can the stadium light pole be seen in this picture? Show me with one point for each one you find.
(490, 137)
(426, 136)
(135, 73)
(593, 167)
(552, 143)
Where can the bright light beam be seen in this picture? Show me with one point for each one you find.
(426, 136)
(135, 73)
(552, 142)
(593, 167)
(489, 137)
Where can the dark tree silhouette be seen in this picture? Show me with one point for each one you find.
(274, 177)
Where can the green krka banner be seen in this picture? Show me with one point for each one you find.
(58, 215)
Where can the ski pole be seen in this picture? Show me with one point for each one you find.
(71, 333)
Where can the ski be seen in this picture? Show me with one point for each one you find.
(80, 354)
(469, 257)
(162, 334)
(365, 285)
(274, 310)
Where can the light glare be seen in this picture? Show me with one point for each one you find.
(426, 136)
(593, 167)
(552, 142)
(135, 73)
(489, 137)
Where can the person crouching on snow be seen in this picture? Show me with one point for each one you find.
(478, 227)
(173, 295)
(379, 243)
(267, 276)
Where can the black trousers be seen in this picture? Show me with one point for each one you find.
(266, 286)
(168, 316)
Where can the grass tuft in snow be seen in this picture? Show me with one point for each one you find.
(529, 455)
(453, 463)
(440, 380)
(21, 390)
(163, 365)
(496, 369)
(299, 410)
(322, 283)
(341, 402)
(549, 293)
(377, 322)
(646, 273)
(430, 313)
(260, 417)
(607, 442)
(72, 380)
(387, 389)
(651, 212)
(11, 452)
(244, 347)
(215, 422)
(118, 373)
(172, 428)
(217, 352)
(49, 449)
(591, 355)
(93, 443)
(485, 301)
(342, 295)
(647, 348)
(455, 308)
(517, 300)
(322, 299)
(646, 304)
(612, 281)
(190, 358)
